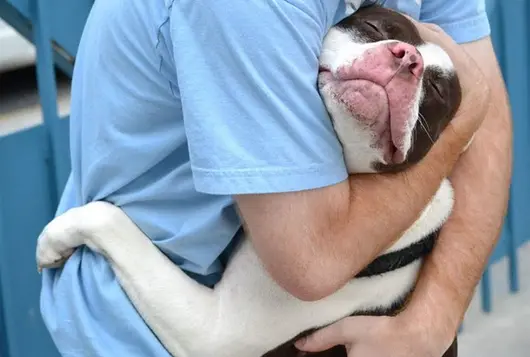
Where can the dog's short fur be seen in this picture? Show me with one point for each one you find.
(247, 314)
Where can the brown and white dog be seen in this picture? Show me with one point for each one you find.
(390, 95)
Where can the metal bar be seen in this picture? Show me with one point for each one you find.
(513, 262)
(4, 341)
(514, 14)
(485, 286)
(23, 26)
(47, 87)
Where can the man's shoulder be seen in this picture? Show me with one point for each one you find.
(320, 12)
(463, 20)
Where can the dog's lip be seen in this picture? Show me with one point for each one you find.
(397, 154)
(393, 149)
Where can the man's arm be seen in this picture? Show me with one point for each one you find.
(313, 242)
(481, 180)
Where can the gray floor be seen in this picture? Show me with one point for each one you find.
(504, 332)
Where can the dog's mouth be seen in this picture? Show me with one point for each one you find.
(323, 69)
(368, 103)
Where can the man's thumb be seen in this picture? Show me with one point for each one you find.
(325, 338)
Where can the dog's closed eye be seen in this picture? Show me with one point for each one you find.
(437, 88)
(374, 28)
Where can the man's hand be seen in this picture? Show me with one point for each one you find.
(369, 336)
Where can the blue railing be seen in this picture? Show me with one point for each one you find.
(34, 162)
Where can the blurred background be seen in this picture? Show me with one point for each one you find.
(19, 97)
(38, 42)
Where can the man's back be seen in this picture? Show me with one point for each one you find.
(128, 138)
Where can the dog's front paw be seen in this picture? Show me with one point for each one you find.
(57, 241)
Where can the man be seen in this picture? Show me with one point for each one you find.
(182, 110)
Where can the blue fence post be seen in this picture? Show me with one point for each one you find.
(513, 258)
(485, 288)
(47, 87)
(28, 195)
(4, 348)
(516, 48)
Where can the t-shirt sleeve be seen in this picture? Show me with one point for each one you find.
(247, 72)
(464, 20)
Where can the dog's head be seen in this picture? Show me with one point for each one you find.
(389, 93)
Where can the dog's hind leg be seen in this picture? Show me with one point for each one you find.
(177, 308)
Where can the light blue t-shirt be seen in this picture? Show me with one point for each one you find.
(176, 106)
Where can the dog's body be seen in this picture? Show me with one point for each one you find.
(247, 314)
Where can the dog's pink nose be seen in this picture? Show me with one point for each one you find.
(409, 58)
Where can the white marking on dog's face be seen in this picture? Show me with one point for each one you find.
(375, 89)
(436, 57)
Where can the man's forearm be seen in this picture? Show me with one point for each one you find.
(313, 242)
(481, 180)
(384, 206)
(365, 215)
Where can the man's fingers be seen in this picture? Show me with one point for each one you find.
(325, 338)
(343, 332)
